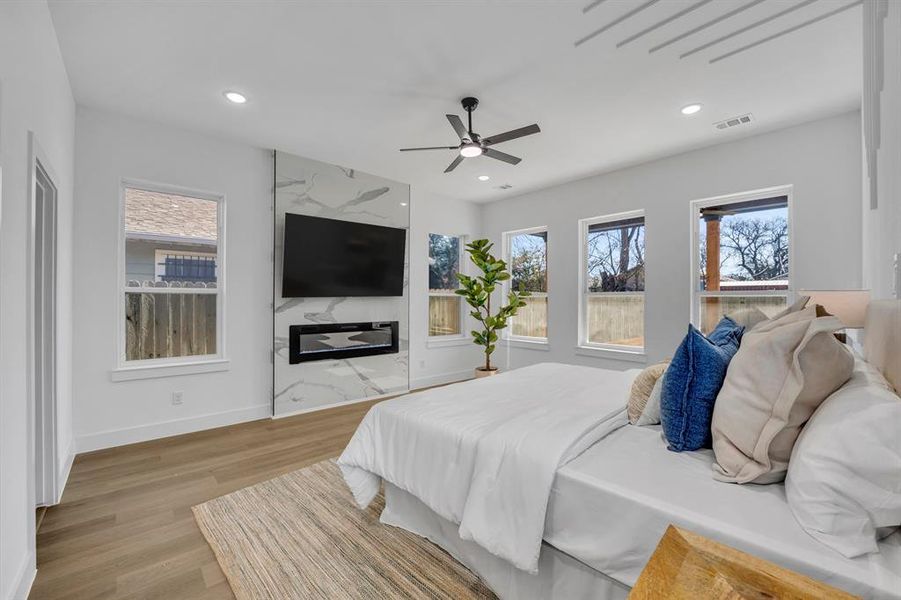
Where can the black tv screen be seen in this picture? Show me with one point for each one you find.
(328, 257)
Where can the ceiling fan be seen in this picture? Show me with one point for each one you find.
(472, 144)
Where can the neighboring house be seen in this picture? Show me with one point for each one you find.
(169, 238)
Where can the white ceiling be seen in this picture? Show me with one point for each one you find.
(350, 82)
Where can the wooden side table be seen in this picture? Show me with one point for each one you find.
(688, 566)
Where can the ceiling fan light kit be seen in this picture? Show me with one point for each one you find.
(472, 144)
(470, 150)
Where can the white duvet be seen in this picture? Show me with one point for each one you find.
(484, 453)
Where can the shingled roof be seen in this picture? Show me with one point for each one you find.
(170, 215)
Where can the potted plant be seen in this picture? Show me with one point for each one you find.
(477, 292)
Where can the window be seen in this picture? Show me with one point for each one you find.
(742, 258)
(176, 265)
(527, 252)
(445, 307)
(612, 282)
(171, 276)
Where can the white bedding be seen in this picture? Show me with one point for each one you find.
(483, 454)
(610, 506)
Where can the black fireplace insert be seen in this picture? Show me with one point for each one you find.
(341, 340)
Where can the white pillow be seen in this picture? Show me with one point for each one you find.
(844, 477)
(651, 413)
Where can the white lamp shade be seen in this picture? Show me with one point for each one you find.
(850, 306)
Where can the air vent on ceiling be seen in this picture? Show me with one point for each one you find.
(735, 121)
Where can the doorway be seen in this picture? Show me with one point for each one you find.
(43, 355)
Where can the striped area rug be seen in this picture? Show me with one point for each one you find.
(301, 536)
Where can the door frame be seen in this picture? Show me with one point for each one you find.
(45, 492)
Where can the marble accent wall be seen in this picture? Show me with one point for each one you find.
(309, 187)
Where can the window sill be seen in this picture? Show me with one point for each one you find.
(528, 344)
(170, 370)
(613, 354)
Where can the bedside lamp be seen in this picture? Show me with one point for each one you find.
(850, 306)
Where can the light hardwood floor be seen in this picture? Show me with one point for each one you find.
(124, 528)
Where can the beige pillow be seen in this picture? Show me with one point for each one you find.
(782, 372)
(641, 389)
(651, 413)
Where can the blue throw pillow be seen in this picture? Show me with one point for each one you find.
(724, 329)
(692, 382)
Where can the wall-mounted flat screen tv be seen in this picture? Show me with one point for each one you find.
(328, 257)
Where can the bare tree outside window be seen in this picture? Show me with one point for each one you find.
(528, 261)
(749, 241)
(445, 307)
(528, 270)
(614, 278)
(616, 258)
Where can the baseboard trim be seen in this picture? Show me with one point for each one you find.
(24, 578)
(62, 478)
(304, 411)
(143, 433)
(441, 379)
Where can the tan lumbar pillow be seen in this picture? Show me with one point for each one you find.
(641, 390)
(782, 372)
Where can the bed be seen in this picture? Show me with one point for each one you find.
(610, 493)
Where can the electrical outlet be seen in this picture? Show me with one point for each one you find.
(177, 398)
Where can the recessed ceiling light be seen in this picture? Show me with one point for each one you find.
(484, 178)
(691, 109)
(235, 97)
(470, 150)
(403, 203)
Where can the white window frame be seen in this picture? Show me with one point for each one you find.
(183, 365)
(436, 341)
(694, 212)
(595, 348)
(507, 335)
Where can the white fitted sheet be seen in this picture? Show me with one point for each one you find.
(609, 507)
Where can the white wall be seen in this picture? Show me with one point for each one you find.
(820, 159)
(432, 364)
(110, 147)
(882, 225)
(34, 96)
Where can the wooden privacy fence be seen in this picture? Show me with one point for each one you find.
(161, 325)
(611, 318)
(531, 319)
(714, 307)
(616, 319)
(444, 315)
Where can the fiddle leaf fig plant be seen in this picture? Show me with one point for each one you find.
(477, 293)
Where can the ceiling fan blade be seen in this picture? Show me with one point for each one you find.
(458, 126)
(507, 158)
(454, 164)
(429, 148)
(511, 135)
